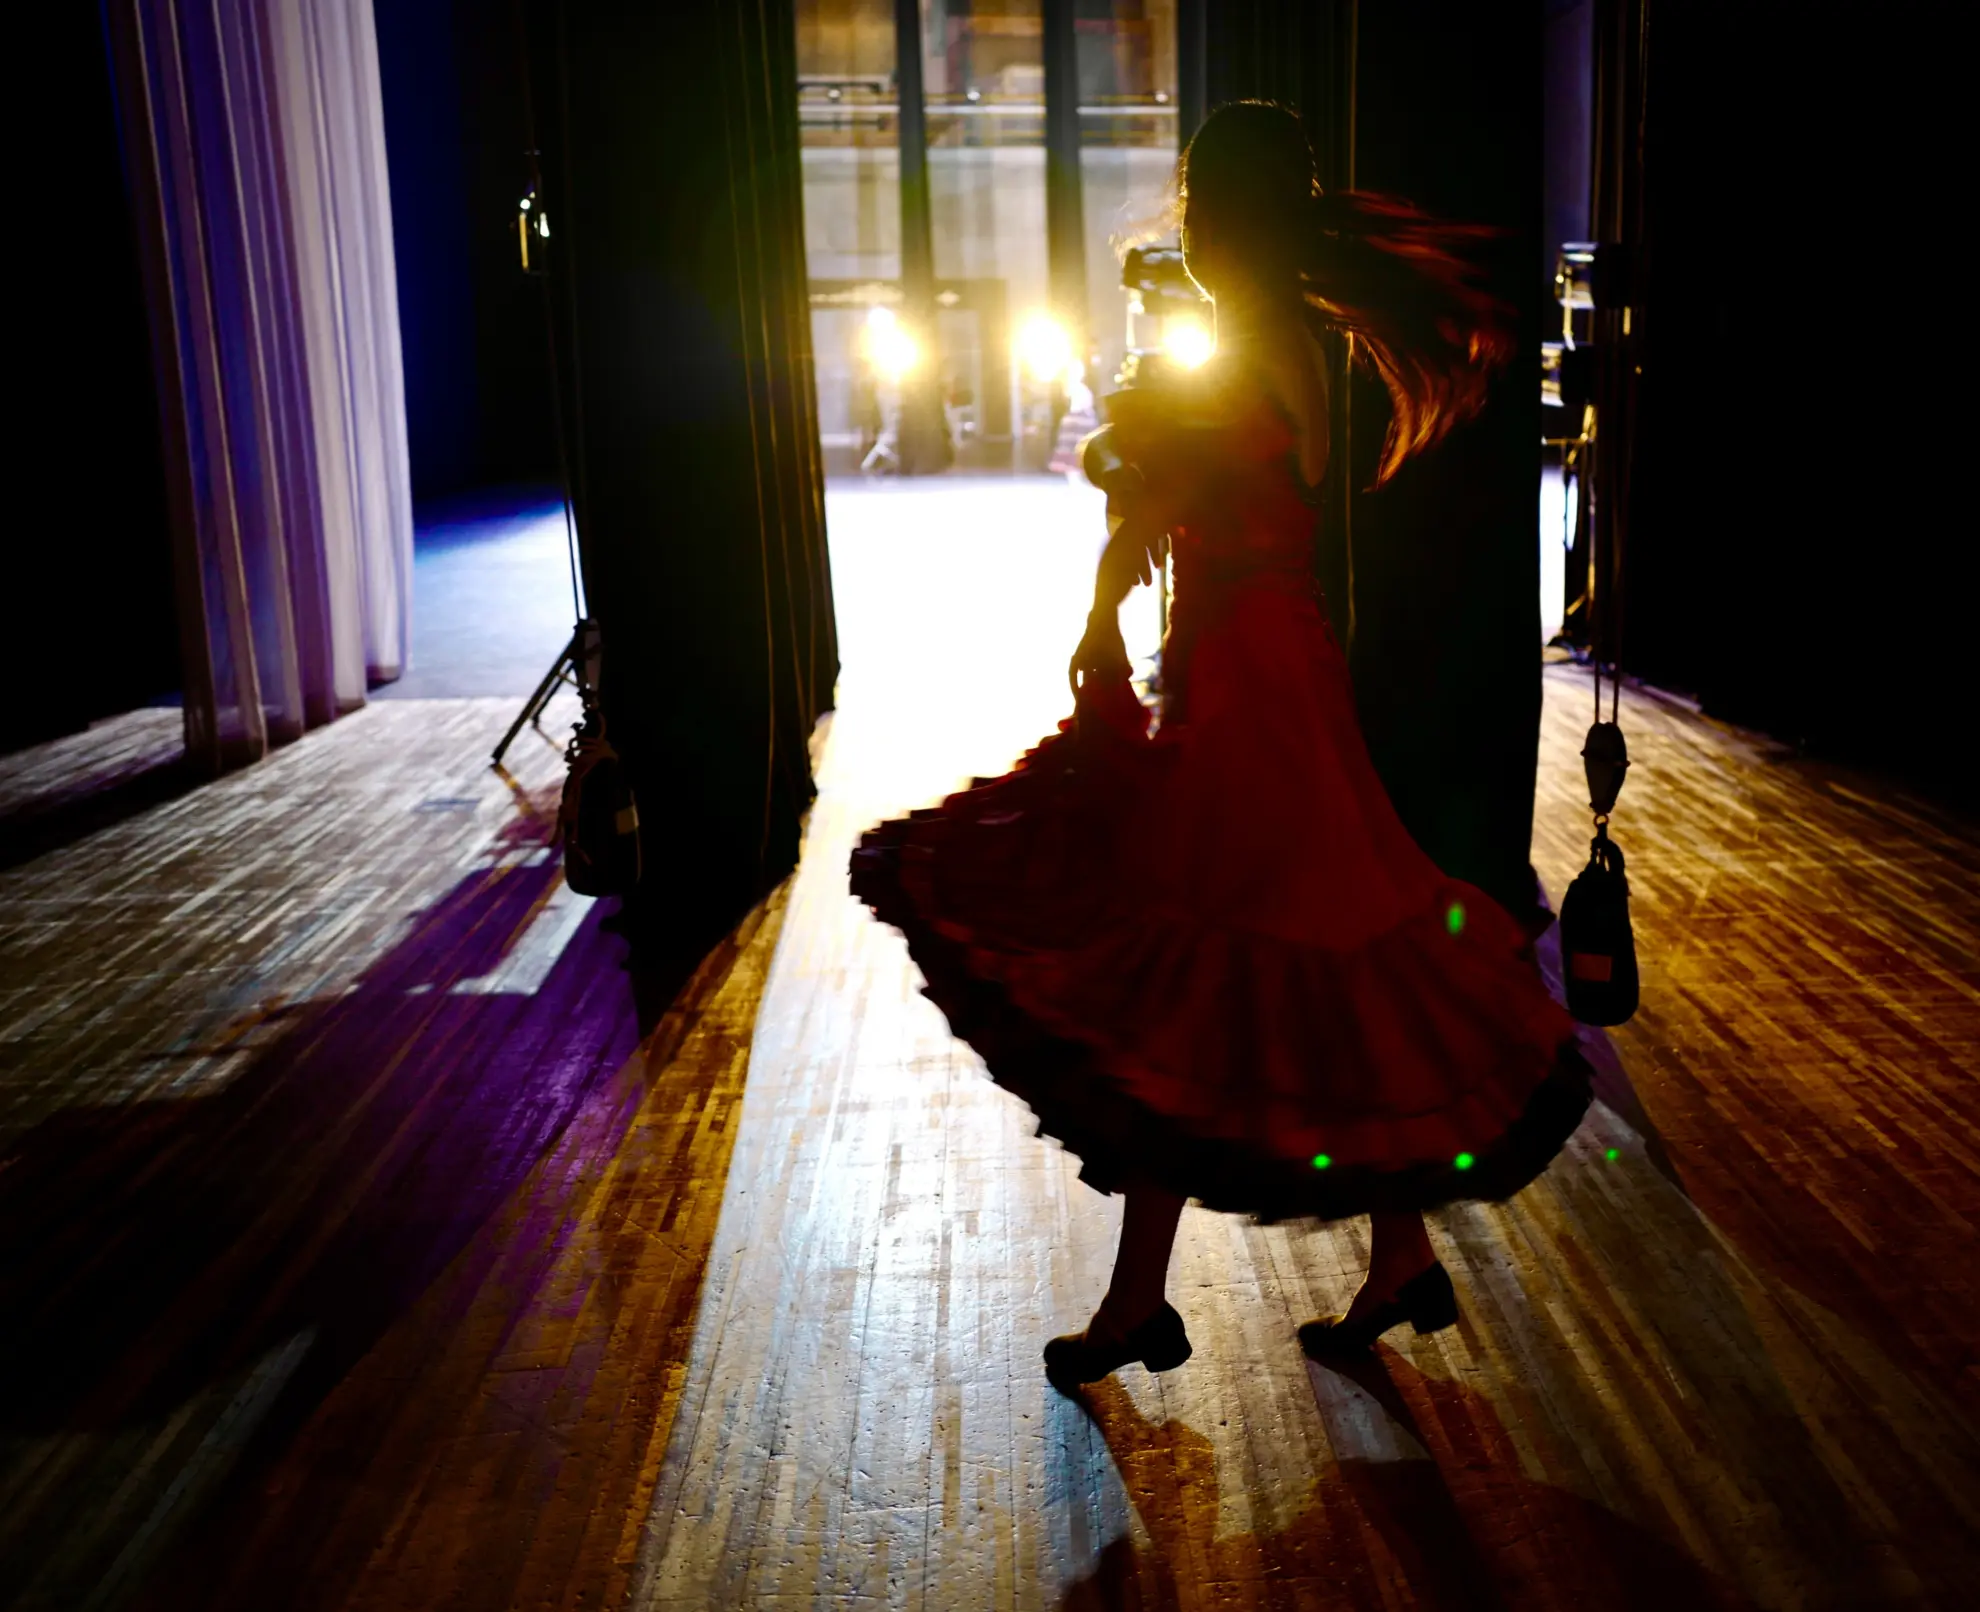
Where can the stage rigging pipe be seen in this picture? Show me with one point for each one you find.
(924, 440)
(1621, 29)
(1065, 222)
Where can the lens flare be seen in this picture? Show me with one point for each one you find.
(889, 348)
(1045, 348)
(1187, 340)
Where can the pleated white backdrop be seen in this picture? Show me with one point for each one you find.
(255, 147)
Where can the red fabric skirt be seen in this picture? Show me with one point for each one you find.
(1212, 959)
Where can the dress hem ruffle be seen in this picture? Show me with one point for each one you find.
(1079, 1093)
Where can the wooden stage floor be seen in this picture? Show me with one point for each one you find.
(360, 1253)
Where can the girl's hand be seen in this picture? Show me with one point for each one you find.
(1102, 652)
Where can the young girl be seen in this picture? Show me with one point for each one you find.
(1210, 958)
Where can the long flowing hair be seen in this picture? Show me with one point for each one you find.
(1406, 287)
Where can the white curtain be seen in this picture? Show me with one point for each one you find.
(255, 143)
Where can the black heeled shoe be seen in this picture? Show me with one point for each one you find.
(1426, 1301)
(1159, 1343)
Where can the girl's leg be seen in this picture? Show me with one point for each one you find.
(1141, 1267)
(1399, 1248)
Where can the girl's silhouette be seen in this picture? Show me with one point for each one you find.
(1209, 956)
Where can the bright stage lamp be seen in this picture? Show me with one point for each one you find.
(1187, 341)
(1045, 348)
(889, 348)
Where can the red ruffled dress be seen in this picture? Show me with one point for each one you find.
(1209, 956)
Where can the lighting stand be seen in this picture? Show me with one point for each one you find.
(576, 665)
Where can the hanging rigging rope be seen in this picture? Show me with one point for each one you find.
(1598, 945)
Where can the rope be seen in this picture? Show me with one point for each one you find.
(531, 152)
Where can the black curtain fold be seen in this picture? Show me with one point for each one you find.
(88, 357)
(671, 137)
(1446, 657)
(1301, 54)
(1434, 580)
(1795, 319)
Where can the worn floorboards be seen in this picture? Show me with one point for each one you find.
(350, 1234)
(361, 1254)
(1721, 1354)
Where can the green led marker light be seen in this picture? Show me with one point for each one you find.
(1464, 1161)
(1321, 1161)
(1454, 919)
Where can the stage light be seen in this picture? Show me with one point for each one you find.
(1045, 349)
(1187, 340)
(889, 348)
(532, 225)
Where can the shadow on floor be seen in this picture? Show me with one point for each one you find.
(215, 1267)
(1374, 1530)
(149, 1248)
(38, 828)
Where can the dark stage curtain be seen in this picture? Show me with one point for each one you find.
(94, 542)
(1794, 507)
(1437, 101)
(671, 145)
(1282, 50)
